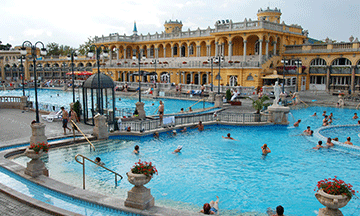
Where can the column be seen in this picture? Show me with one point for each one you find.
(230, 50)
(164, 52)
(260, 51)
(198, 51)
(188, 49)
(216, 48)
(275, 47)
(191, 77)
(172, 51)
(111, 55)
(244, 57)
(141, 52)
(183, 77)
(328, 78)
(125, 53)
(208, 50)
(207, 77)
(352, 87)
(267, 48)
(156, 53)
(118, 53)
(199, 80)
(223, 49)
(148, 53)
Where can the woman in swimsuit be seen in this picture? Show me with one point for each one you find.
(212, 207)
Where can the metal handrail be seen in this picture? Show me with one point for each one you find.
(203, 99)
(83, 164)
(82, 134)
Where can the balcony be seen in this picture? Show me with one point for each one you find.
(323, 48)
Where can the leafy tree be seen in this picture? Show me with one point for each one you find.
(85, 47)
(5, 47)
(56, 49)
(228, 95)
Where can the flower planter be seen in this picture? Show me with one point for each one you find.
(32, 154)
(139, 197)
(331, 202)
(35, 167)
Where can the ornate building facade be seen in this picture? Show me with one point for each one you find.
(253, 53)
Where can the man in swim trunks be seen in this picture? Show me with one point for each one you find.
(307, 131)
(329, 143)
(265, 149)
(65, 118)
(296, 124)
(228, 137)
(200, 126)
(348, 141)
(161, 112)
(319, 145)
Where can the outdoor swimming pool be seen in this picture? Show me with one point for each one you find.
(49, 98)
(209, 165)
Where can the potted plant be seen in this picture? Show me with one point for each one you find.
(184, 62)
(334, 194)
(34, 151)
(259, 104)
(341, 95)
(77, 108)
(228, 95)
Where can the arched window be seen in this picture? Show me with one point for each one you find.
(183, 51)
(233, 80)
(318, 62)
(188, 79)
(175, 51)
(191, 50)
(196, 79)
(250, 78)
(341, 62)
(204, 79)
(165, 77)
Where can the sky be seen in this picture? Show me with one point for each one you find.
(73, 22)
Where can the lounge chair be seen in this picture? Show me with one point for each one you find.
(52, 116)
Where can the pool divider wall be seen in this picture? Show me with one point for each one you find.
(74, 192)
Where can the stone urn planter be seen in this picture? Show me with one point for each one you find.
(35, 167)
(139, 196)
(331, 202)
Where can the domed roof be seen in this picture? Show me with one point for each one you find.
(105, 81)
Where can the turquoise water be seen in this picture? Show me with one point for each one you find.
(48, 98)
(209, 165)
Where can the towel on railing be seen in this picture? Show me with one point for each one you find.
(169, 120)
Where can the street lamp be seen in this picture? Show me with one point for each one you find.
(284, 61)
(218, 60)
(155, 61)
(33, 53)
(298, 62)
(140, 73)
(211, 60)
(71, 57)
(105, 54)
(23, 73)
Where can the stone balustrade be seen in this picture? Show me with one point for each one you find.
(13, 102)
(323, 48)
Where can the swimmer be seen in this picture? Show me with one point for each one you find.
(136, 150)
(348, 141)
(99, 162)
(190, 109)
(329, 143)
(358, 121)
(182, 110)
(314, 114)
(174, 132)
(296, 124)
(325, 121)
(200, 126)
(178, 149)
(212, 207)
(307, 131)
(228, 137)
(119, 99)
(324, 113)
(355, 116)
(319, 145)
(265, 149)
(183, 130)
(156, 135)
(336, 139)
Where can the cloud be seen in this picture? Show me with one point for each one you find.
(33, 32)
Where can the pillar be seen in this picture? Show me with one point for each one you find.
(275, 48)
(223, 49)
(148, 53)
(100, 128)
(164, 52)
(183, 77)
(230, 50)
(199, 80)
(328, 78)
(172, 51)
(352, 87)
(198, 51)
(216, 48)
(125, 54)
(267, 48)
(244, 57)
(260, 50)
(191, 77)
(207, 77)
(111, 55)
(156, 53)
(118, 53)
(208, 50)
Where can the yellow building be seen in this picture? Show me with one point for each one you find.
(253, 53)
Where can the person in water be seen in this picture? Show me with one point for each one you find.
(228, 137)
(265, 149)
(136, 150)
(212, 207)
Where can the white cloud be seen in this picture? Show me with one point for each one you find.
(33, 32)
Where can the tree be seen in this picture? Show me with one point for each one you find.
(84, 48)
(5, 47)
(53, 49)
(259, 104)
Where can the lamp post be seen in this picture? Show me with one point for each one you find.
(71, 57)
(284, 61)
(211, 60)
(155, 61)
(140, 73)
(23, 73)
(33, 53)
(298, 62)
(216, 59)
(105, 54)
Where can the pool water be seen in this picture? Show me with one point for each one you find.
(209, 165)
(49, 97)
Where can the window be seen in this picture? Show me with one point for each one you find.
(341, 61)
(191, 50)
(250, 78)
(175, 51)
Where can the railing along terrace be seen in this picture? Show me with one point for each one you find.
(10, 99)
(241, 118)
(324, 47)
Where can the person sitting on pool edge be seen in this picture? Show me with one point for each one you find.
(279, 211)
(212, 207)
(183, 130)
(136, 150)
(296, 124)
(156, 135)
(178, 149)
(228, 137)
(99, 162)
(265, 149)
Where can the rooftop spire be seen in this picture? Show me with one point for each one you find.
(135, 29)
